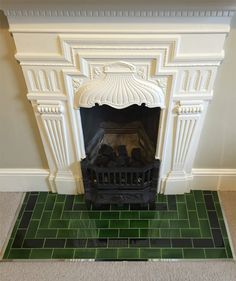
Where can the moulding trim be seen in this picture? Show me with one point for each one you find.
(117, 13)
(214, 179)
(21, 180)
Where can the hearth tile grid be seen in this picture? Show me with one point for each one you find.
(54, 226)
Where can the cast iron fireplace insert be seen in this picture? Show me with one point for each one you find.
(120, 165)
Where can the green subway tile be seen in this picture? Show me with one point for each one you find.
(72, 215)
(41, 254)
(32, 229)
(106, 254)
(15, 228)
(190, 233)
(153, 233)
(171, 253)
(60, 198)
(107, 233)
(129, 233)
(150, 253)
(198, 196)
(59, 224)
(50, 202)
(201, 210)
(149, 215)
(42, 198)
(190, 202)
(19, 254)
(85, 254)
(79, 198)
(90, 215)
(6, 253)
(119, 224)
(79, 224)
(194, 253)
(27, 194)
(88, 233)
(228, 248)
(44, 222)
(38, 210)
(57, 211)
(215, 196)
(215, 253)
(110, 215)
(219, 211)
(63, 253)
(205, 228)
(139, 223)
(179, 224)
(163, 215)
(21, 212)
(46, 233)
(180, 198)
(99, 223)
(193, 219)
(223, 228)
(129, 215)
(67, 233)
(182, 211)
(159, 223)
(128, 254)
(161, 198)
(169, 232)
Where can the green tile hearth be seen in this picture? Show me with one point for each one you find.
(54, 226)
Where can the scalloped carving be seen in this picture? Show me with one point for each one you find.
(119, 88)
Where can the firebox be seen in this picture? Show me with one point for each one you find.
(120, 165)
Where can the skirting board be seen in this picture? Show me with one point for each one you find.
(22, 180)
(214, 179)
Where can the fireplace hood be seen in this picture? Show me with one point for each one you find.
(119, 88)
(73, 58)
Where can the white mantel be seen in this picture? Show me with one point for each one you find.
(60, 50)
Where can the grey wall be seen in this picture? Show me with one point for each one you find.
(217, 147)
(20, 145)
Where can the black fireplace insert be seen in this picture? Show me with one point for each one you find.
(120, 165)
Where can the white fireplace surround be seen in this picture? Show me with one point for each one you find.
(73, 59)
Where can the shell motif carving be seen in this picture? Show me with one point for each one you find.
(119, 88)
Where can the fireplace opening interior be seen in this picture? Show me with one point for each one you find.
(120, 165)
(120, 137)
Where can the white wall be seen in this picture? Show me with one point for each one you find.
(20, 145)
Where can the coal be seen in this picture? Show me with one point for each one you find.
(106, 150)
(123, 158)
(102, 160)
(122, 151)
(136, 154)
(136, 157)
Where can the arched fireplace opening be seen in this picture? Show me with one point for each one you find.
(120, 165)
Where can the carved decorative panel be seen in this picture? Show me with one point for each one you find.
(54, 125)
(43, 80)
(187, 117)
